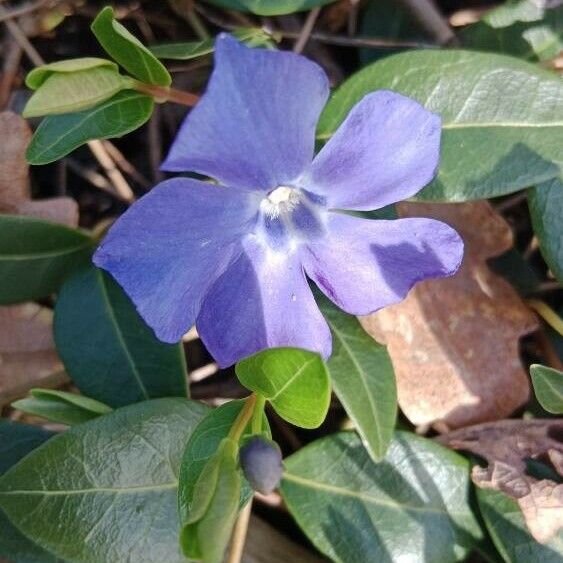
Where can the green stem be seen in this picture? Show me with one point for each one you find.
(243, 418)
(258, 414)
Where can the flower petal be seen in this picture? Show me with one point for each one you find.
(263, 300)
(255, 126)
(170, 246)
(364, 265)
(386, 150)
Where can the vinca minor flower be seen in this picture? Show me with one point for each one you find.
(234, 257)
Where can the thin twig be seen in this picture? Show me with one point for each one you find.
(125, 165)
(305, 32)
(547, 314)
(431, 20)
(18, 12)
(239, 534)
(10, 69)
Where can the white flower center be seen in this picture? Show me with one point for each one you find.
(279, 201)
(280, 194)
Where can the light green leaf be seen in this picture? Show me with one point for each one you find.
(294, 381)
(363, 379)
(60, 406)
(38, 75)
(546, 209)
(127, 50)
(60, 134)
(106, 490)
(508, 531)
(491, 144)
(548, 387)
(269, 7)
(37, 256)
(107, 349)
(414, 504)
(76, 91)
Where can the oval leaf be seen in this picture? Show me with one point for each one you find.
(416, 501)
(60, 406)
(37, 256)
(76, 91)
(491, 144)
(127, 50)
(107, 349)
(294, 381)
(269, 7)
(38, 75)
(119, 473)
(60, 134)
(363, 379)
(548, 387)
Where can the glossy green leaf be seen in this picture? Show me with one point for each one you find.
(39, 74)
(269, 7)
(57, 135)
(76, 91)
(546, 209)
(294, 381)
(201, 447)
(548, 387)
(492, 144)
(60, 406)
(206, 531)
(16, 441)
(107, 349)
(106, 490)
(363, 379)
(413, 504)
(508, 531)
(127, 50)
(37, 256)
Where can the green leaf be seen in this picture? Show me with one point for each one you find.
(38, 75)
(269, 7)
(16, 441)
(58, 135)
(546, 209)
(491, 144)
(107, 349)
(414, 504)
(60, 406)
(106, 490)
(127, 50)
(548, 387)
(294, 381)
(508, 531)
(363, 379)
(207, 530)
(76, 91)
(37, 256)
(201, 447)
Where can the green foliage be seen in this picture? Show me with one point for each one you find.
(548, 387)
(106, 488)
(269, 7)
(60, 406)
(414, 505)
(60, 134)
(363, 379)
(38, 75)
(67, 92)
(206, 530)
(546, 209)
(37, 256)
(127, 50)
(294, 381)
(108, 350)
(507, 528)
(502, 118)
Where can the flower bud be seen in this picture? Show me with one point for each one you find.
(261, 463)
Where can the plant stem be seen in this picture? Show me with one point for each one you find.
(243, 418)
(167, 94)
(547, 314)
(258, 413)
(239, 534)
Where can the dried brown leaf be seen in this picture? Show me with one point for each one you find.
(454, 342)
(506, 446)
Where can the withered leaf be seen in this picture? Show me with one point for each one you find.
(454, 342)
(506, 445)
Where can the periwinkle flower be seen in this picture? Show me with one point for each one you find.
(234, 257)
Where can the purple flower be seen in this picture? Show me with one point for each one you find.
(234, 258)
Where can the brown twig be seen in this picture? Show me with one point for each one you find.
(6, 15)
(306, 30)
(239, 534)
(166, 94)
(431, 20)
